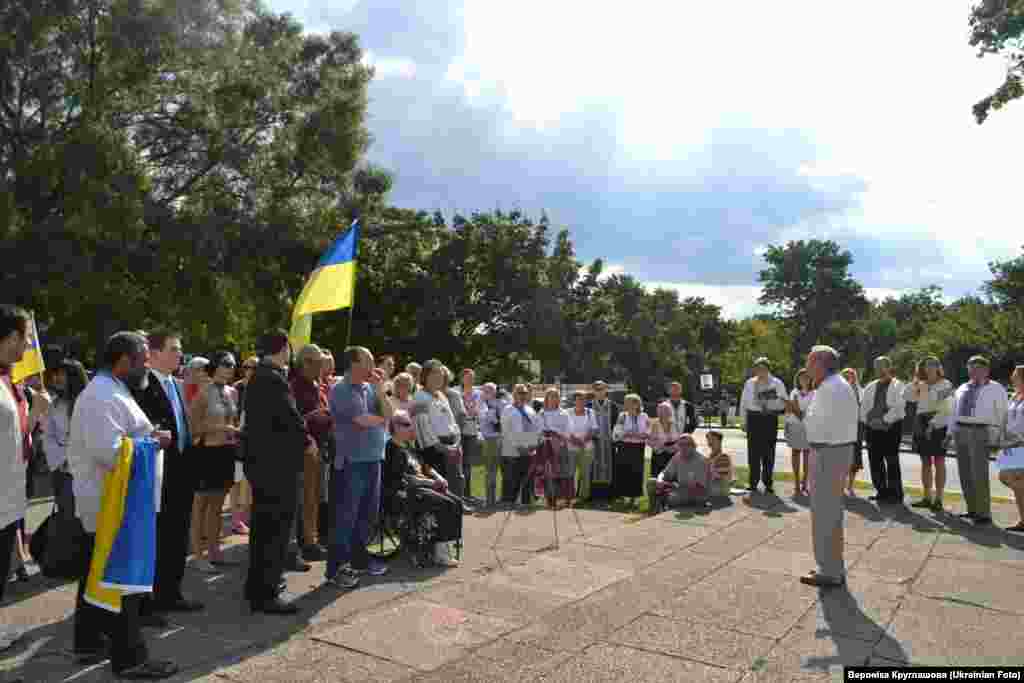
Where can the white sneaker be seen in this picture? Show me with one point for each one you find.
(205, 566)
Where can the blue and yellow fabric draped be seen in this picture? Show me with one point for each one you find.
(331, 285)
(124, 560)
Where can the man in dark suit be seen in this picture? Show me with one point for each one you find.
(276, 443)
(684, 413)
(162, 399)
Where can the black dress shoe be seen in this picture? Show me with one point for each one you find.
(275, 606)
(314, 553)
(92, 656)
(982, 521)
(965, 515)
(179, 605)
(153, 620)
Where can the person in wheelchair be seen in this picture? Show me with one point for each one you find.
(685, 479)
(433, 515)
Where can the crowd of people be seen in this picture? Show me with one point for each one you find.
(314, 461)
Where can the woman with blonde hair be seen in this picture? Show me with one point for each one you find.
(631, 434)
(213, 416)
(796, 433)
(402, 388)
(853, 379)
(664, 436)
(933, 394)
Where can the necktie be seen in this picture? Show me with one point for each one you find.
(172, 395)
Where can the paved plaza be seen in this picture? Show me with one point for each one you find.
(676, 597)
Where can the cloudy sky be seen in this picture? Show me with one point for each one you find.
(675, 140)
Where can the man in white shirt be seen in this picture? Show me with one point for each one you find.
(882, 409)
(519, 434)
(979, 417)
(760, 406)
(684, 413)
(104, 413)
(831, 423)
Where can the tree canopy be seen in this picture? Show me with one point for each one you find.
(997, 28)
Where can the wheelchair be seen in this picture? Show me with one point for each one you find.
(394, 531)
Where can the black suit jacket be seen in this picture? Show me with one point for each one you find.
(275, 433)
(157, 407)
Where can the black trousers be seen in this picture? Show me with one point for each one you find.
(94, 625)
(762, 433)
(513, 478)
(172, 531)
(270, 525)
(7, 536)
(884, 460)
(659, 459)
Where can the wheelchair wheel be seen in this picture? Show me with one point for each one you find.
(385, 542)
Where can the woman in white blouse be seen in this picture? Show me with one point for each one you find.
(1011, 460)
(933, 394)
(630, 434)
(68, 380)
(664, 435)
(853, 379)
(559, 467)
(582, 427)
(437, 432)
(796, 433)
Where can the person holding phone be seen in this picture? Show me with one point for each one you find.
(762, 402)
(631, 433)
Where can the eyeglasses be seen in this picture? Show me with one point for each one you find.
(228, 364)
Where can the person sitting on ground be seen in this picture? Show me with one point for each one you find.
(722, 473)
(435, 515)
(685, 478)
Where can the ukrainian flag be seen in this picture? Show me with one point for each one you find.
(32, 362)
(331, 286)
(124, 558)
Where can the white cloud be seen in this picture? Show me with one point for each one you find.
(390, 66)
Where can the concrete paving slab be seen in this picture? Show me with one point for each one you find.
(416, 633)
(982, 546)
(673, 574)
(807, 656)
(304, 660)
(583, 553)
(933, 632)
(604, 663)
(752, 602)
(544, 574)
(503, 660)
(582, 623)
(778, 560)
(651, 539)
(338, 605)
(863, 610)
(994, 585)
(739, 538)
(503, 600)
(694, 639)
(889, 559)
(717, 517)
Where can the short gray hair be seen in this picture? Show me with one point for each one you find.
(829, 355)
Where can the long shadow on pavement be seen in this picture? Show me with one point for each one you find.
(842, 615)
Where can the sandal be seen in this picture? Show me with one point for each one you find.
(153, 670)
(1019, 527)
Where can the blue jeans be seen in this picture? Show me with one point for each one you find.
(355, 498)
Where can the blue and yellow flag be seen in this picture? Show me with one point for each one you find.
(331, 285)
(32, 362)
(124, 559)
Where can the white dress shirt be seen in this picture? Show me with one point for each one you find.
(104, 413)
(831, 417)
(631, 427)
(556, 420)
(749, 400)
(515, 434)
(584, 425)
(896, 405)
(12, 460)
(804, 400)
(990, 407)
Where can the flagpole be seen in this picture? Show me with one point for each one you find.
(355, 280)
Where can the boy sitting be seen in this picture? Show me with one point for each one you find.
(721, 467)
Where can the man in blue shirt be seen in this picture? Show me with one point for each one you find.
(361, 412)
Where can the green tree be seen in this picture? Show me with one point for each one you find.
(811, 285)
(1006, 287)
(997, 28)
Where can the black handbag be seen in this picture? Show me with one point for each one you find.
(58, 546)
